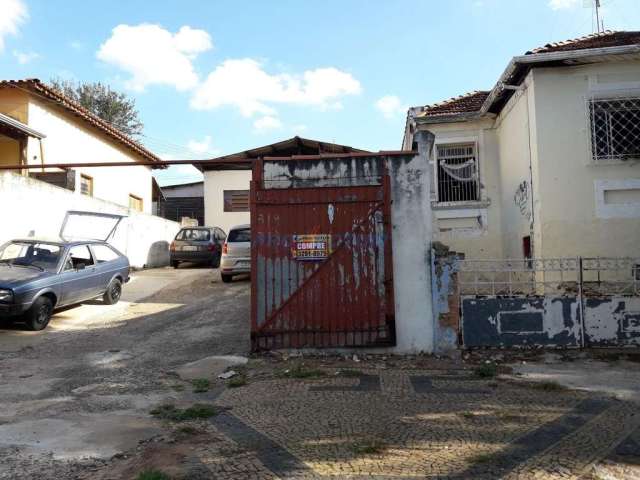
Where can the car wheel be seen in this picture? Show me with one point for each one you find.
(215, 263)
(113, 293)
(226, 278)
(175, 264)
(38, 316)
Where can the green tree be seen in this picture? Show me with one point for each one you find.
(111, 106)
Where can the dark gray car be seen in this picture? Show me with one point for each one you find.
(198, 245)
(38, 276)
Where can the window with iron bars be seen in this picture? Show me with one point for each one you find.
(457, 173)
(615, 128)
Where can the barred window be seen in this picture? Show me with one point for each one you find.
(615, 128)
(457, 173)
(236, 201)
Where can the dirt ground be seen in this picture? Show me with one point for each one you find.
(79, 392)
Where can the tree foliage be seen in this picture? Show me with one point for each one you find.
(111, 106)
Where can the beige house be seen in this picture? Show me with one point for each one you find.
(547, 163)
(38, 125)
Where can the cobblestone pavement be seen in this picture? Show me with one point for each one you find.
(76, 403)
(406, 423)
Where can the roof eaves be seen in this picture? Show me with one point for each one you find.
(17, 125)
(528, 61)
(37, 87)
(449, 118)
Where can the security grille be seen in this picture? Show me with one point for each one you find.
(457, 173)
(615, 128)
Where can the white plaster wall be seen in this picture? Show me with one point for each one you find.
(568, 179)
(40, 208)
(412, 230)
(484, 241)
(68, 141)
(215, 183)
(516, 158)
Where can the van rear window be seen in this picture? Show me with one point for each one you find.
(243, 235)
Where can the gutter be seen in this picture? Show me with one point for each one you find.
(450, 118)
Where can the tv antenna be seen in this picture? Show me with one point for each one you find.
(595, 5)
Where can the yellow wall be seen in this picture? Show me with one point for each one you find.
(15, 104)
(9, 151)
(569, 218)
(453, 224)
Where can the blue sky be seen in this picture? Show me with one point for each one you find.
(216, 77)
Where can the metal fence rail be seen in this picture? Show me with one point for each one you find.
(558, 276)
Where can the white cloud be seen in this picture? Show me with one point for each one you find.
(245, 84)
(14, 13)
(202, 146)
(564, 4)
(153, 55)
(390, 106)
(268, 122)
(25, 57)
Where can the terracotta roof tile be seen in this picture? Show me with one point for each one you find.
(607, 38)
(469, 102)
(39, 88)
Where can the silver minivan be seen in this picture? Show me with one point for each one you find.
(236, 253)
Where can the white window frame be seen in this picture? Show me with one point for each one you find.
(452, 141)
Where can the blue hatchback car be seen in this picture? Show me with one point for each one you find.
(38, 276)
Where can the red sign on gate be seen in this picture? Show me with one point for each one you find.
(311, 247)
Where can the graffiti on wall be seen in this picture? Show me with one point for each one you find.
(522, 199)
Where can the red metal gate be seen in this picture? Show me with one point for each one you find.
(343, 296)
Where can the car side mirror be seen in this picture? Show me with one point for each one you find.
(81, 266)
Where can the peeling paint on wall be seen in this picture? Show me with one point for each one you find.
(557, 320)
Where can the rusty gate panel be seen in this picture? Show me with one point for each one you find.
(344, 298)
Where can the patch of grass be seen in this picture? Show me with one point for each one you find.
(486, 370)
(368, 447)
(467, 415)
(200, 385)
(235, 382)
(300, 371)
(152, 475)
(177, 387)
(481, 458)
(174, 414)
(549, 386)
(349, 372)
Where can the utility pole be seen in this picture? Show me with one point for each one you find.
(597, 7)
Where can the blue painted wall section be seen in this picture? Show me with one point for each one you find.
(521, 321)
(446, 299)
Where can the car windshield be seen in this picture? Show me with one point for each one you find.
(195, 234)
(240, 235)
(43, 256)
